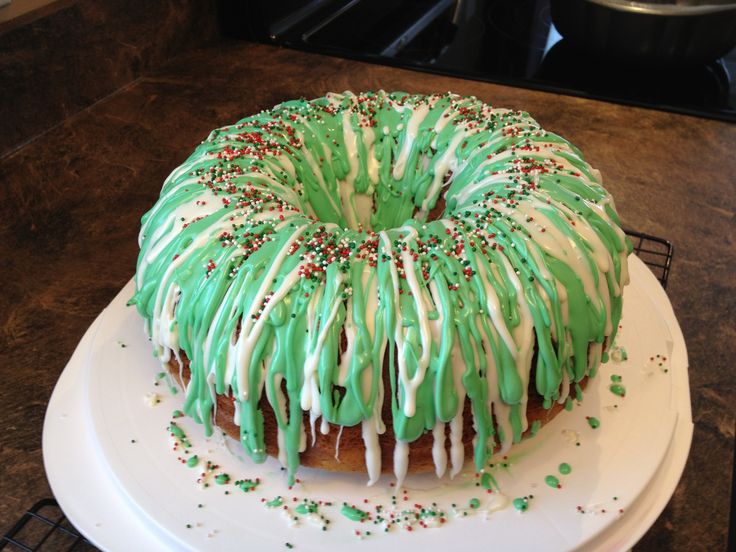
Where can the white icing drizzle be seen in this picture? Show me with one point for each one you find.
(401, 461)
(372, 449)
(416, 118)
(337, 444)
(439, 454)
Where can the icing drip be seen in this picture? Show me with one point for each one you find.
(300, 236)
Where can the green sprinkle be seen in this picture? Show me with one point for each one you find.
(618, 389)
(521, 504)
(593, 422)
(552, 481)
(474, 503)
(275, 502)
(565, 468)
(222, 479)
(193, 461)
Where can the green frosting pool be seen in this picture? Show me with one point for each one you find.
(316, 223)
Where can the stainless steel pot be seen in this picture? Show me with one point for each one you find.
(671, 32)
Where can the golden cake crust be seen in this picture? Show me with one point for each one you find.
(323, 453)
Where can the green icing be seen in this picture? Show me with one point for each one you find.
(487, 481)
(353, 513)
(275, 502)
(474, 503)
(247, 485)
(314, 216)
(619, 354)
(222, 479)
(536, 426)
(307, 507)
(179, 434)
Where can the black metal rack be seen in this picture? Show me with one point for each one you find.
(45, 528)
(655, 252)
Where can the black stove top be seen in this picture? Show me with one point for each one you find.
(508, 42)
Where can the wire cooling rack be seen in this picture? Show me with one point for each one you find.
(655, 252)
(45, 528)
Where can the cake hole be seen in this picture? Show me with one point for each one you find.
(338, 394)
(437, 212)
(342, 345)
(236, 333)
(364, 209)
(532, 387)
(284, 390)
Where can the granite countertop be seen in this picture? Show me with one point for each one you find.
(73, 199)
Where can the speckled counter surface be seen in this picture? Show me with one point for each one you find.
(72, 200)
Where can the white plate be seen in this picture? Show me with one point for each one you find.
(637, 456)
(88, 496)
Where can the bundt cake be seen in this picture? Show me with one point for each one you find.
(389, 271)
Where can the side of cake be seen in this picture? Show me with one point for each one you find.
(427, 272)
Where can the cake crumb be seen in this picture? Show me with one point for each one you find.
(152, 399)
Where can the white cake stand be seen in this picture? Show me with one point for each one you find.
(109, 461)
